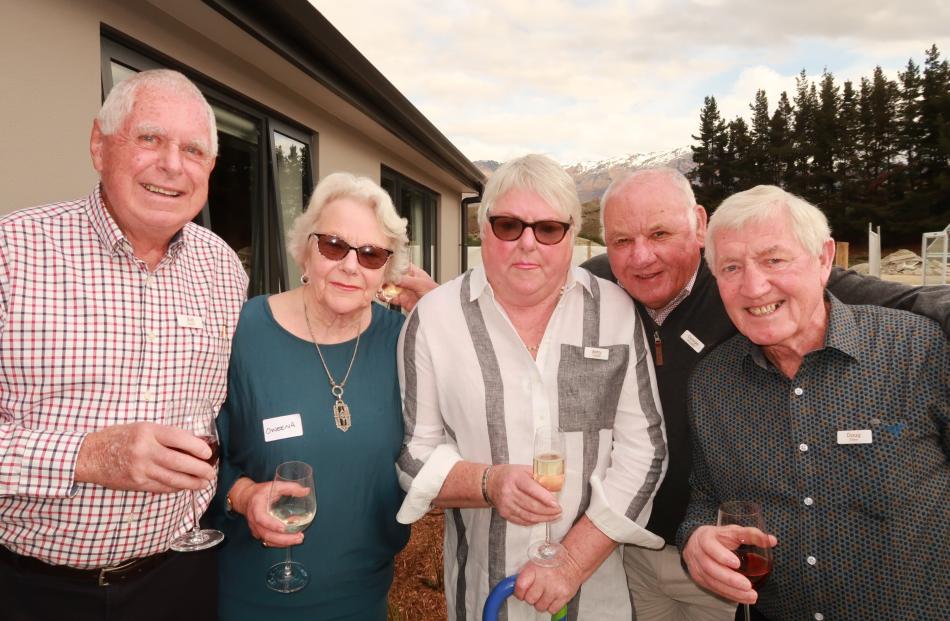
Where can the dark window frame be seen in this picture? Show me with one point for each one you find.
(431, 215)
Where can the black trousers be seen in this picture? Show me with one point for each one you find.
(183, 588)
(754, 614)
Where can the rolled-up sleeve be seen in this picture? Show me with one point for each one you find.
(622, 498)
(426, 458)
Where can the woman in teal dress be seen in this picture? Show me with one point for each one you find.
(289, 349)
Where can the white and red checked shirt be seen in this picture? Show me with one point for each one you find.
(90, 338)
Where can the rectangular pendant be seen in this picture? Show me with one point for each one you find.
(341, 415)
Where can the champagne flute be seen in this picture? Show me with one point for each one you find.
(548, 469)
(296, 512)
(755, 562)
(196, 416)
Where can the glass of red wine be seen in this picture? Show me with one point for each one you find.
(755, 562)
(198, 417)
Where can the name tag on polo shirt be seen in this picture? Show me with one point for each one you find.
(190, 321)
(596, 353)
(282, 427)
(692, 341)
(854, 436)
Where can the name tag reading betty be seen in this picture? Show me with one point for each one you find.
(190, 321)
(596, 353)
(282, 427)
(854, 436)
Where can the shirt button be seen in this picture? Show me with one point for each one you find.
(799, 392)
(802, 447)
(148, 280)
(811, 560)
(819, 617)
(809, 501)
(147, 395)
(150, 336)
(131, 517)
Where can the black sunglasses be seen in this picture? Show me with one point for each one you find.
(547, 232)
(335, 249)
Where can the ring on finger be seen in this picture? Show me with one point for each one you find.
(263, 543)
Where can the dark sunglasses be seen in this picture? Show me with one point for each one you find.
(547, 232)
(335, 249)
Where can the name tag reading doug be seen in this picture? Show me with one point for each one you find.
(596, 353)
(281, 427)
(854, 436)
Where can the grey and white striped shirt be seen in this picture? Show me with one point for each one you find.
(471, 391)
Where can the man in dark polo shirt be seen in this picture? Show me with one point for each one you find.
(655, 232)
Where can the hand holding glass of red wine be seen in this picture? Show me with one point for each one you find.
(755, 562)
(198, 417)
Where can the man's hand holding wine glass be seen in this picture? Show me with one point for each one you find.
(146, 457)
(710, 554)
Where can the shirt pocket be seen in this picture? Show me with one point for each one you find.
(589, 389)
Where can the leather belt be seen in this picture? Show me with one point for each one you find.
(103, 576)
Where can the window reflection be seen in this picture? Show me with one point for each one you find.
(294, 182)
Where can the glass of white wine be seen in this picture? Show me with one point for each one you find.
(293, 501)
(549, 472)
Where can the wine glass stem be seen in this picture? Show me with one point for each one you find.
(746, 612)
(288, 567)
(194, 512)
(547, 532)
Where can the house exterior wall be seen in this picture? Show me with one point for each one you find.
(50, 68)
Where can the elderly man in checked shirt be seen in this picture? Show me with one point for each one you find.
(835, 418)
(111, 305)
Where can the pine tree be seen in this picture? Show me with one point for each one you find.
(781, 147)
(710, 154)
(738, 173)
(759, 154)
(804, 134)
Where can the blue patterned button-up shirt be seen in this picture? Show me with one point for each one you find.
(863, 529)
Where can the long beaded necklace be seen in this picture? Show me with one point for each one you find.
(341, 411)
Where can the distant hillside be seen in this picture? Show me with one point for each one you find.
(592, 178)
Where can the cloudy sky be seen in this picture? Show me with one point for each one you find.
(592, 79)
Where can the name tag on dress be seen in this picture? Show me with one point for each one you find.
(854, 436)
(281, 427)
(596, 353)
(190, 321)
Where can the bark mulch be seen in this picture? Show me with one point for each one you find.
(417, 591)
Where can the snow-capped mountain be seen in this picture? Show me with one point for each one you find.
(592, 178)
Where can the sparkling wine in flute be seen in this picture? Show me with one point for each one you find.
(549, 471)
(548, 468)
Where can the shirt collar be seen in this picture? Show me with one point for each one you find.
(478, 283)
(659, 315)
(841, 333)
(112, 237)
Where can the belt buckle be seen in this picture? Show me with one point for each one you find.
(104, 572)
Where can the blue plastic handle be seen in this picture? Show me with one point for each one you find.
(503, 591)
(497, 598)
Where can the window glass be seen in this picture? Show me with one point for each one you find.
(418, 205)
(294, 180)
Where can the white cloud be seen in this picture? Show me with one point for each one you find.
(591, 79)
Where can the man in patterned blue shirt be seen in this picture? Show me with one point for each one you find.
(835, 418)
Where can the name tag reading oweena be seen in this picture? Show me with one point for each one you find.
(281, 427)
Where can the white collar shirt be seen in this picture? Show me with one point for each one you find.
(471, 391)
